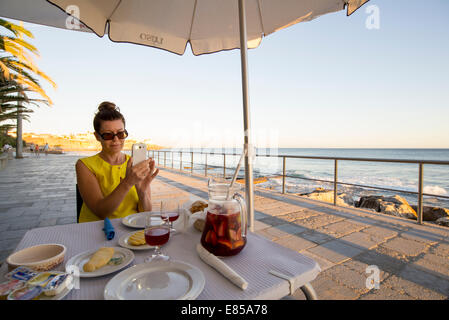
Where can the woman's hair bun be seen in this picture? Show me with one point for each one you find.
(107, 106)
(107, 111)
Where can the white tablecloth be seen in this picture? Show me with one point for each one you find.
(253, 263)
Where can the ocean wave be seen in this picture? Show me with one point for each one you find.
(435, 190)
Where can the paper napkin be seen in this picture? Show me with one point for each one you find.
(221, 267)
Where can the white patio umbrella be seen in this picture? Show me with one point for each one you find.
(208, 25)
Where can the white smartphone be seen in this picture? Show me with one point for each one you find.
(139, 152)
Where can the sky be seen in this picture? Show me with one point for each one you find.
(334, 82)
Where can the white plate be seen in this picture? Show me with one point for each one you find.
(137, 220)
(123, 241)
(160, 280)
(79, 260)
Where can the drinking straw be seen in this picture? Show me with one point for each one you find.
(236, 173)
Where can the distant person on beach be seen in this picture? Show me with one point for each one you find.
(36, 150)
(6, 147)
(108, 183)
(46, 148)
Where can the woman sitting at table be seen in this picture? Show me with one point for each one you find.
(108, 183)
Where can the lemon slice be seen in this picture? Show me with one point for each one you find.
(137, 238)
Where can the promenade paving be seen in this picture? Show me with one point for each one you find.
(349, 244)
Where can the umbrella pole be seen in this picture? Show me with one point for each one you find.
(246, 116)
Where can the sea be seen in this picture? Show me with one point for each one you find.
(356, 178)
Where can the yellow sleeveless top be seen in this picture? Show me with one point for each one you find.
(109, 177)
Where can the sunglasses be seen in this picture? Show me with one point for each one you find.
(110, 136)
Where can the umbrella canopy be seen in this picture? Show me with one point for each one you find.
(208, 25)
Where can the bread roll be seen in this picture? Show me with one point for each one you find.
(99, 259)
(198, 206)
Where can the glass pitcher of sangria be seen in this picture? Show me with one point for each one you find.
(225, 230)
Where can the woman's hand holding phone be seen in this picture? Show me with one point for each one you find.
(141, 174)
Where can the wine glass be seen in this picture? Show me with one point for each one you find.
(156, 234)
(170, 210)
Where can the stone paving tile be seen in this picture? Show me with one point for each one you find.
(378, 258)
(412, 289)
(425, 280)
(276, 233)
(52, 214)
(317, 237)
(13, 219)
(336, 251)
(281, 210)
(397, 225)
(362, 240)
(323, 263)
(361, 221)
(4, 254)
(6, 216)
(66, 220)
(259, 225)
(438, 264)
(393, 254)
(12, 234)
(349, 278)
(302, 214)
(9, 244)
(405, 246)
(317, 221)
(381, 232)
(31, 213)
(14, 211)
(272, 221)
(421, 236)
(48, 222)
(441, 249)
(265, 234)
(339, 229)
(291, 228)
(260, 204)
(295, 243)
(364, 268)
(328, 289)
(385, 293)
(258, 215)
(24, 224)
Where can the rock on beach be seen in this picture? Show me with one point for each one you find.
(392, 205)
(433, 213)
(322, 194)
(395, 206)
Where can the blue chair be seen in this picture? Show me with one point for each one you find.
(79, 204)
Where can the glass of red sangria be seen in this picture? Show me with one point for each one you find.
(170, 210)
(157, 233)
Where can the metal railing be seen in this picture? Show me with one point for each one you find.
(420, 193)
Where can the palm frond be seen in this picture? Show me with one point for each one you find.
(15, 29)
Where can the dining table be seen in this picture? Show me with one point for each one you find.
(271, 271)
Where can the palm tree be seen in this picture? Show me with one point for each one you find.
(18, 62)
(18, 76)
(13, 101)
